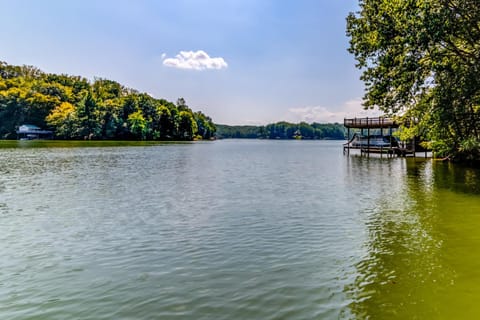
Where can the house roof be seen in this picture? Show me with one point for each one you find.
(29, 126)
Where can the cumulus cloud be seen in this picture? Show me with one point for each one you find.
(350, 109)
(194, 60)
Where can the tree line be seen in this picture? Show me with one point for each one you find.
(283, 130)
(421, 63)
(75, 108)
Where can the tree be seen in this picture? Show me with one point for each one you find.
(109, 115)
(306, 130)
(187, 126)
(86, 112)
(205, 126)
(138, 125)
(421, 61)
(64, 120)
(162, 123)
(104, 89)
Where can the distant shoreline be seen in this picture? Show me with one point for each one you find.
(283, 131)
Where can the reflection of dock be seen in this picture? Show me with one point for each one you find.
(383, 144)
(389, 151)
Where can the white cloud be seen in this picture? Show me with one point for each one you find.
(313, 114)
(198, 60)
(250, 122)
(349, 109)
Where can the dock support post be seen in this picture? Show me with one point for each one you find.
(368, 140)
(348, 141)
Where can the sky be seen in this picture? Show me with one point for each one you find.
(242, 62)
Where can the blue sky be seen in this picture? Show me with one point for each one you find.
(239, 61)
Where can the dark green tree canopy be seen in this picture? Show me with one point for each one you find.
(283, 130)
(421, 60)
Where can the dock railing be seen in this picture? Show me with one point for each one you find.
(376, 122)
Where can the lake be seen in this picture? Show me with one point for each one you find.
(234, 229)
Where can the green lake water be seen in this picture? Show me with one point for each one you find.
(234, 230)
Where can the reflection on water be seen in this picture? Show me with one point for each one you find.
(457, 178)
(32, 144)
(416, 264)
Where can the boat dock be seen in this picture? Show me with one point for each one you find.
(383, 144)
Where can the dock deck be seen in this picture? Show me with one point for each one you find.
(370, 123)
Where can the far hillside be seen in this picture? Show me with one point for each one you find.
(283, 130)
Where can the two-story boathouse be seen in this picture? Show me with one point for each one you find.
(382, 142)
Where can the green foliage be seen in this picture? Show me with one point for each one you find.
(206, 128)
(283, 130)
(64, 118)
(187, 126)
(470, 149)
(87, 114)
(77, 109)
(138, 125)
(420, 61)
(239, 132)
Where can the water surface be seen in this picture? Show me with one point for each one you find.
(234, 230)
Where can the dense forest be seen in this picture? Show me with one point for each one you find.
(283, 130)
(421, 63)
(75, 108)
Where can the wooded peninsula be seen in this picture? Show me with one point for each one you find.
(75, 108)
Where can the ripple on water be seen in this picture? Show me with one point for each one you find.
(224, 230)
